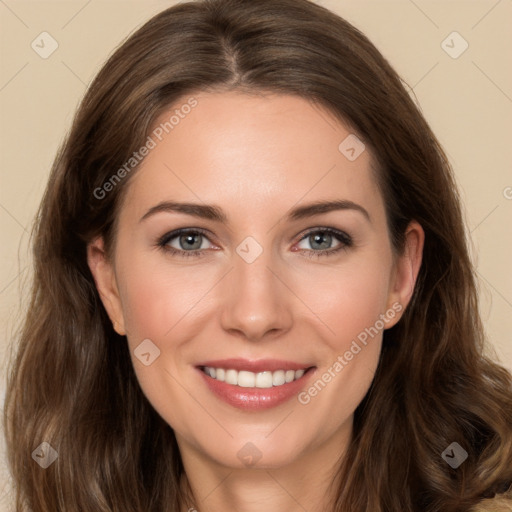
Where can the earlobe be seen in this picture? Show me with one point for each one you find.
(407, 267)
(104, 278)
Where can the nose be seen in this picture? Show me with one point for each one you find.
(257, 304)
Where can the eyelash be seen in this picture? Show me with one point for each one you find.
(344, 238)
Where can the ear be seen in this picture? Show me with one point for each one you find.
(405, 270)
(104, 277)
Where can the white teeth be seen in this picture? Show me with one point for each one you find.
(278, 378)
(245, 379)
(231, 377)
(264, 380)
(289, 376)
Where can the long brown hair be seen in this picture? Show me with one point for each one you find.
(72, 384)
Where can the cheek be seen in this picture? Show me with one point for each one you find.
(351, 305)
(162, 304)
(350, 302)
(347, 299)
(156, 298)
(171, 305)
(160, 298)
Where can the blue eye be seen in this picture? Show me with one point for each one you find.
(323, 237)
(193, 239)
(187, 238)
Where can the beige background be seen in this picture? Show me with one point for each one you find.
(467, 100)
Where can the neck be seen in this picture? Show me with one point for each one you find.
(304, 484)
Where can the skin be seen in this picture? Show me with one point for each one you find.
(256, 157)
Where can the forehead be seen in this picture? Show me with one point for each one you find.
(249, 150)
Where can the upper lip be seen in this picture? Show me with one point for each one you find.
(257, 366)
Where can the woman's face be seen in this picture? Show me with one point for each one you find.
(268, 286)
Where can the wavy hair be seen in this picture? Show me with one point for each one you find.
(71, 381)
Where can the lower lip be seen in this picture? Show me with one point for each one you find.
(255, 398)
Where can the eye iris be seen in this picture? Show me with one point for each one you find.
(185, 239)
(317, 238)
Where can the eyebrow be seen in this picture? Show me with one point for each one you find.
(211, 212)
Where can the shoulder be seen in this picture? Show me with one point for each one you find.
(500, 503)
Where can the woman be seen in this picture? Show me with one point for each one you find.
(257, 371)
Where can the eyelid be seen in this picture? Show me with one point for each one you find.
(343, 237)
(338, 232)
(170, 235)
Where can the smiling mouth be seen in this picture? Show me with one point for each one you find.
(247, 379)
